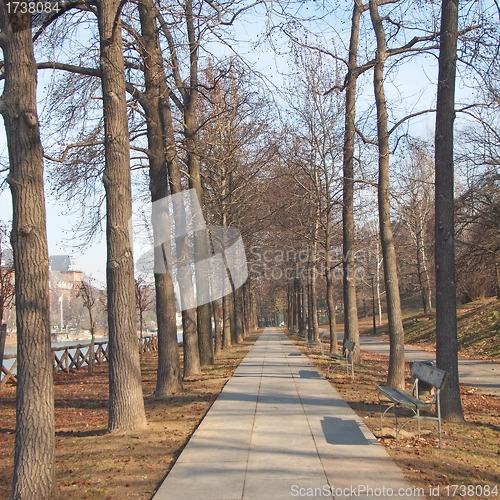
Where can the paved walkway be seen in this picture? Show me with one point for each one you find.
(280, 430)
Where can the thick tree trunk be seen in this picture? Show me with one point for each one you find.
(446, 301)
(169, 378)
(395, 377)
(34, 460)
(126, 403)
(351, 330)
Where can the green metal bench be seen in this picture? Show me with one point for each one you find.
(430, 376)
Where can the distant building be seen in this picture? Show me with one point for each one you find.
(6, 259)
(63, 264)
(64, 272)
(64, 276)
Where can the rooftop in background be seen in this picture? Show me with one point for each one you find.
(63, 264)
(6, 259)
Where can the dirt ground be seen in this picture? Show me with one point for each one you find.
(468, 465)
(94, 464)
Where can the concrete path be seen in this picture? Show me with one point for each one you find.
(482, 374)
(280, 430)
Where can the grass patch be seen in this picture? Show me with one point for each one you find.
(478, 328)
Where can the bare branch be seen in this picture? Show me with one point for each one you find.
(68, 148)
(365, 139)
(408, 117)
(81, 70)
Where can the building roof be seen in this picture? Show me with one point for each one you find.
(63, 264)
(6, 259)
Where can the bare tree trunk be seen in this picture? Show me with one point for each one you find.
(497, 272)
(169, 378)
(204, 323)
(248, 307)
(309, 303)
(351, 330)
(34, 460)
(238, 315)
(92, 347)
(253, 308)
(314, 304)
(189, 320)
(216, 310)
(301, 309)
(3, 338)
(332, 318)
(377, 284)
(126, 403)
(232, 319)
(227, 303)
(395, 377)
(423, 274)
(446, 301)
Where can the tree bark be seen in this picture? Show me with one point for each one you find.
(301, 308)
(189, 322)
(34, 460)
(309, 303)
(423, 274)
(204, 323)
(126, 403)
(395, 377)
(189, 316)
(216, 311)
(296, 304)
(446, 314)
(227, 303)
(351, 330)
(169, 377)
(332, 319)
(238, 315)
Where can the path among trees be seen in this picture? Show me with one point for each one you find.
(276, 428)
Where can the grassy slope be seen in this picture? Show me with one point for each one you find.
(478, 328)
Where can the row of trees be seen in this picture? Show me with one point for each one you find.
(141, 104)
(421, 213)
(149, 53)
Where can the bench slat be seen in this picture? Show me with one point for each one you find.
(336, 356)
(403, 398)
